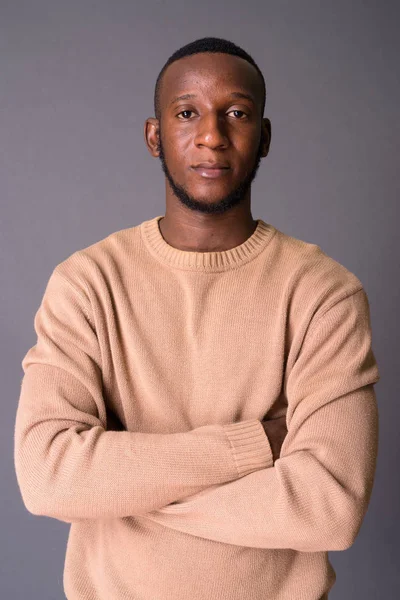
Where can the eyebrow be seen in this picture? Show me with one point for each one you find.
(232, 95)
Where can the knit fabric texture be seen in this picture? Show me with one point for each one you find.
(140, 409)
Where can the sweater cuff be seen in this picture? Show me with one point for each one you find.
(250, 446)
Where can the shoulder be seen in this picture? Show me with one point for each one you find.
(105, 259)
(314, 281)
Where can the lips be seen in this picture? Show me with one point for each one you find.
(211, 170)
(211, 165)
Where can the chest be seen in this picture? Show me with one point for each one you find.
(197, 350)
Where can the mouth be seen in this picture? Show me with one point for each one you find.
(211, 172)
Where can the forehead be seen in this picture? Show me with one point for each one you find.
(211, 74)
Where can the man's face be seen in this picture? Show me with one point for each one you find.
(214, 126)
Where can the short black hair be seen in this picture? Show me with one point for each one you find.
(205, 44)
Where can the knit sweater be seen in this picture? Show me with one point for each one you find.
(140, 409)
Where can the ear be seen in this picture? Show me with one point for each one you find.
(151, 135)
(266, 133)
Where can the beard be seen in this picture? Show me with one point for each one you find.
(230, 200)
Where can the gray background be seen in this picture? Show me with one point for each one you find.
(76, 85)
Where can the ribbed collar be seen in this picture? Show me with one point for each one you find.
(205, 261)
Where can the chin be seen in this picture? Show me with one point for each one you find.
(210, 190)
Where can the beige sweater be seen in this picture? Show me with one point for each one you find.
(139, 418)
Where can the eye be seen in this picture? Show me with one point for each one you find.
(240, 118)
(238, 111)
(184, 111)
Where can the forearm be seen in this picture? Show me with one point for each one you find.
(313, 499)
(74, 470)
(70, 466)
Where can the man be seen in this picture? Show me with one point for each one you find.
(200, 401)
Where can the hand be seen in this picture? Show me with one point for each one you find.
(276, 431)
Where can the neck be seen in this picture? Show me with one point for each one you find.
(194, 231)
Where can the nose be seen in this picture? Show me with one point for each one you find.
(211, 132)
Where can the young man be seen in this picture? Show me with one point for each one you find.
(172, 360)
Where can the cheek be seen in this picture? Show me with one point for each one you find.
(177, 147)
(177, 136)
(182, 142)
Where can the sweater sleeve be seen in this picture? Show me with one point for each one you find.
(69, 466)
(317, 493)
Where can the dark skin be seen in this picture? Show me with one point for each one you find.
(213, 129)
(276, 431)
(205, 214)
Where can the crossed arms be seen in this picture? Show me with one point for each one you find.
(201, 482)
